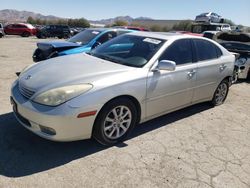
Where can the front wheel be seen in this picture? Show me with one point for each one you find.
(115, 121)
(220, 93)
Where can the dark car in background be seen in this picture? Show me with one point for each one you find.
(84, 41)
(201, 27)
(22, 29)
(59, 31)
(1, 30)
(238, 43)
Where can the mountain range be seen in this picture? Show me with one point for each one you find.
(11, 15)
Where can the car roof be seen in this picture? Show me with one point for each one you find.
(162, 35)
(106, 29)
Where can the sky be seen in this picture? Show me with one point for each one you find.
(236, 10)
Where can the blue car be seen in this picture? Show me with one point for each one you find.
(84, 41)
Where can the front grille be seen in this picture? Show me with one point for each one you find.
(28, 93)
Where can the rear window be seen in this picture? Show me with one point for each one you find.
(206, 50)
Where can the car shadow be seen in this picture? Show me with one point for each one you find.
(22, 153)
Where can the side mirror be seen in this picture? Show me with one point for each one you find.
(166, 65)
(96, 44)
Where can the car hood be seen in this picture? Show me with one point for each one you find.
(56, 44)
(68, 70)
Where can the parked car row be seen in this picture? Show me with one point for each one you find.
(47, 31)
(26, 30)
(121, 82)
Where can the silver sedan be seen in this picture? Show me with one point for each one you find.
(130, 79)
(209, 17)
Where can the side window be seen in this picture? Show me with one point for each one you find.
(180, 52)
(218, 50)
(107, 36)
(14, 26)
(22, 26)
(205, 50)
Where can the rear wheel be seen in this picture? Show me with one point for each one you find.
(25, 34)
(220, 93)
(115, 121)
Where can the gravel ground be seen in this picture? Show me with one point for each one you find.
(198, 146)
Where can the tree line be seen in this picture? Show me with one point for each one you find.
(184, 25)
(81, 22)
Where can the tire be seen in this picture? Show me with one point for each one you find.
(220, 93)
(1, 35)
(109, 128)
(25, 34)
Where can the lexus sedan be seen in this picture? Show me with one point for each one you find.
(128, 80)
(81, 42)
(209, 17)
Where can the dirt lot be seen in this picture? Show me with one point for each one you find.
(199, 146)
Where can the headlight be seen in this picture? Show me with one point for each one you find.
(60, 95)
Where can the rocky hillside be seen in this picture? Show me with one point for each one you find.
(11, 15)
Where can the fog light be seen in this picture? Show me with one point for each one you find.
(47, 130)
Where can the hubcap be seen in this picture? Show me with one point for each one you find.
(117, 122)
(221, 93)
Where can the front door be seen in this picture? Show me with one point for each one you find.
(170, 90)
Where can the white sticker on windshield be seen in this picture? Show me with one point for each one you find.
(153, 41)
(95, 32)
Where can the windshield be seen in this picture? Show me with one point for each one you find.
(85, 36)
(129, 50)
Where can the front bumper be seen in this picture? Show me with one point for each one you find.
(53, 123)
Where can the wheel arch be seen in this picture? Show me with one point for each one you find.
(129, 97)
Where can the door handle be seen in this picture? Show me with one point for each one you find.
(191, 73)
(222, 67)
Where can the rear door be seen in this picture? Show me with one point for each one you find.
(209, 68)
(170, 90)
(11, 29)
